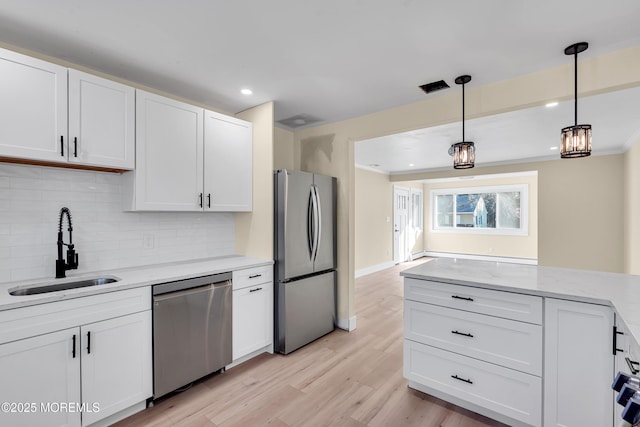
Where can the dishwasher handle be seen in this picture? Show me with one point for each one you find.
(213, 279)
(212, 287)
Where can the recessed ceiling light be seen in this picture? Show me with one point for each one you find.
(553, 148)
(551, 104)
(411, 165)
(246, 91)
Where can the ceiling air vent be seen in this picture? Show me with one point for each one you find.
(434, 86)
(299, 120)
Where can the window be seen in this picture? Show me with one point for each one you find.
(497, 210)
(416, 209)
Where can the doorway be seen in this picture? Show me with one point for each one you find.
(400, 224)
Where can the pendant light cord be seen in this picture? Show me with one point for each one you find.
(463, 140)
(575, 83)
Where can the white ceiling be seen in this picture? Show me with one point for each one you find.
(514, 136)
(332, 59)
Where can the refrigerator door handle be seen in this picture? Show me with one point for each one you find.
(310, 224)
(318, 221)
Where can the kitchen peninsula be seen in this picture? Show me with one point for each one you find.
(507, 340)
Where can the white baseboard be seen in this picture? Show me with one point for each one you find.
(528, 261)
(418, 255)
(347, 324)
(374, 269)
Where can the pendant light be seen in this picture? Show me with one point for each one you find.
(464, 153)
(575, 140)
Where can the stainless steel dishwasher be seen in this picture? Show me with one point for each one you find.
(191, 330)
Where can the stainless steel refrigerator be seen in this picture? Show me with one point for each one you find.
(305, 252)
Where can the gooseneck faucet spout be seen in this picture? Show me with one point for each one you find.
(72, 257)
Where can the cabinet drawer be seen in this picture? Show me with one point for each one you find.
(516, 345)
(509, 305)
(43, 318)
(502, 390)
(252, 276)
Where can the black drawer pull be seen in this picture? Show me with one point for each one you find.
(632, 365)
(455, 377)
(464, 298)
(255, 290)
(462, 333)
(255, 275)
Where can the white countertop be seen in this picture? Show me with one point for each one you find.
(620, 291)
(129, 278)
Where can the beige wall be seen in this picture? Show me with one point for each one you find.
(604, 73)
(254, 230)
(632, 210)
(511, 246)
(283, 150)
(373, 234)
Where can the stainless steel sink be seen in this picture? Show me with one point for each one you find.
(42, 288)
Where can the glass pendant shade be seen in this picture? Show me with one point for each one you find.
(464, 155)
(575, 141)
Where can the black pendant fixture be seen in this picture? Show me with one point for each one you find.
(575, 140)
(464, 153)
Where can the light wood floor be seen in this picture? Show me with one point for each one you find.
(342, 379)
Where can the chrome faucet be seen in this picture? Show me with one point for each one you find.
(72, 256)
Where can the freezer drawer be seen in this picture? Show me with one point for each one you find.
(306, 311)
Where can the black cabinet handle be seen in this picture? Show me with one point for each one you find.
(632, 365)
(200, 199)
(89, 342)
(462, 333)
(62, 145)
(209, 200)
(255, 290)
(255, 275)
(73, 352)
(463, 298)
(455, 377)
(615, 340)
(75, 146)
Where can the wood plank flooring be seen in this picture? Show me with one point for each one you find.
(350, 379)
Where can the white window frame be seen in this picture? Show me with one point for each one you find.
(420, 206)
(523, 189)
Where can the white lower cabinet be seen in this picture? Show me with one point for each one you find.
(578, 364)
(521, 359)
(116, 369)
(41, 371)
(252, 311)
(83, 373)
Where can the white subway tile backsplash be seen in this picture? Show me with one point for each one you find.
(105, 237)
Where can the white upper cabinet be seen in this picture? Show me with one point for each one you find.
(169, 138)
(188, 159)
(33, 108)
(228, 163)
(51, 114)
(101, 122)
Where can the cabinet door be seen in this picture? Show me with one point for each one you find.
(169, 138)
(578, 364)
(44, 372)
(228, 163)
(33, 108)
(116, 364)
(252, 319)
(101, 122)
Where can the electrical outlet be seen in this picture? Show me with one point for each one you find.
(148, 241)
(490, 249)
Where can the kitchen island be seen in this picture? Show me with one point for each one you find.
(507, 340)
